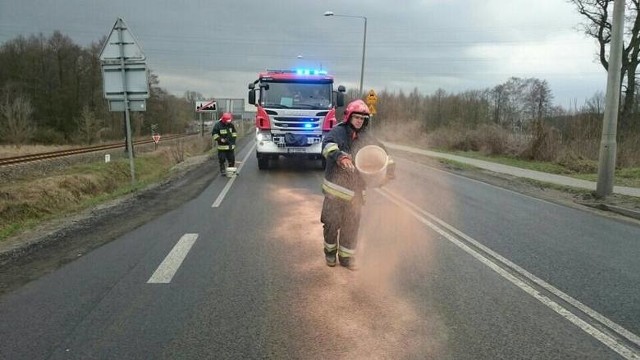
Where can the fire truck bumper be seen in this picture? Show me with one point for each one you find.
(271, 148)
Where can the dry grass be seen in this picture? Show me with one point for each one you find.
(410, 132)
(486, 139)
(574, 152)
(12, 150)
(29, 201)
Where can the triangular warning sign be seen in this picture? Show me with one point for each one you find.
(131, 50)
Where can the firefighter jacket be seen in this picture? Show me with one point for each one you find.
(343, 140)
(224, 135)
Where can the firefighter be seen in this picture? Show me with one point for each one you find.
(224, 136)
(343, 188)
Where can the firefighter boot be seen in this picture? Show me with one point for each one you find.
(330, 258)
(349, 263)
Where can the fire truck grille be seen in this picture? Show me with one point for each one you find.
(298, 123)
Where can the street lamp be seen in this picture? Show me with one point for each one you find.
(364, 41)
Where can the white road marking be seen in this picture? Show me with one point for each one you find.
(231, 180)
(609, 341)
(169, 266)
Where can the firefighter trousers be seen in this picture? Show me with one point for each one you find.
(341, 220)
(228, 156)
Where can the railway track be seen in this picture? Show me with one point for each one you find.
(81, 150)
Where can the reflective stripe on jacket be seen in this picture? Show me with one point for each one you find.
(226, 131)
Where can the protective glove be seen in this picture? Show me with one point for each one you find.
(345, 162)
(391, 171)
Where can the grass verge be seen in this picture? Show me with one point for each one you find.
(623, 177)
(27, 203)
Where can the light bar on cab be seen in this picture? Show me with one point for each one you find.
(310, 72)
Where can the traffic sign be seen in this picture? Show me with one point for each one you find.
(136, 77)
(206, 106)
(131, 50)
(124, 71)
(372, 98)
(134, 105)
(156, 138)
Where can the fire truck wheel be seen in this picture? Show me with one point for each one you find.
(263, 162)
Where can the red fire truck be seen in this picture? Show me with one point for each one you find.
(295, 108)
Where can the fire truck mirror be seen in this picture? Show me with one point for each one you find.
(252, 86)
(342, 89)
(252, 97)
(339, 99)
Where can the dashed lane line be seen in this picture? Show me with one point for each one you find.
(170, 265)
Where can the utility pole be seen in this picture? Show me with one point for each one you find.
(608, 145)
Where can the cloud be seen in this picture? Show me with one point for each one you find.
(218, 47)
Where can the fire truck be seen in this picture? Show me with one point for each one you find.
(294, 109)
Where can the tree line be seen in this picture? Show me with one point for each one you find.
(51, 93)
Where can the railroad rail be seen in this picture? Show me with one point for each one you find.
(81, 150)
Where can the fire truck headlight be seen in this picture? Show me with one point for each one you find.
(263, 137)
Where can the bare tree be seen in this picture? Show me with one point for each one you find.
(598, 26)
(15, 124)
(513, 114)
(538, 99)
(498, 97)
(88, 125)
(595, 105)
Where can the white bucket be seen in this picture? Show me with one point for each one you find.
(371, 161)
(231, 171)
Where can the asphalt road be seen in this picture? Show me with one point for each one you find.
(451, 268)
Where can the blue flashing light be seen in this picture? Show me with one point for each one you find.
(308, 126)
(310, 72)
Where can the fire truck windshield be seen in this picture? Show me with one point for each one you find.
(297, 95)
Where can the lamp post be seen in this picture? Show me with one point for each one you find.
(364, 41)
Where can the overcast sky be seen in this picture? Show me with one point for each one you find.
(216, 47)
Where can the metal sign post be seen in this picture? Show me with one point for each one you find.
(126, 108)
(125, 78)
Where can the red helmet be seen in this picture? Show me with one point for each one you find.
(226, 117)
(356, 106)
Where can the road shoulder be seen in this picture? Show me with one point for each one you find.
(620, 207)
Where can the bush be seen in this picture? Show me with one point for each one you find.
(576, 163)
(48, 136)
(545, 144)
(492, 139)
(629, 151)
